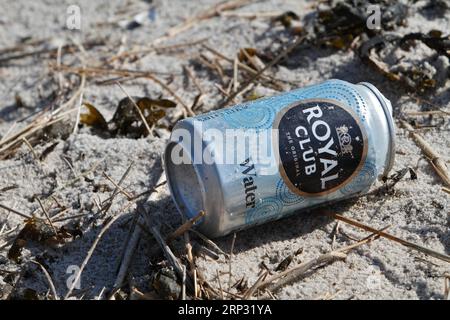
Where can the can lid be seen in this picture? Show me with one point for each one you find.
(387, 108)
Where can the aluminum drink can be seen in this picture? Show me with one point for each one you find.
(265, 159)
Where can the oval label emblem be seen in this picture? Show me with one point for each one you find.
(320, 144)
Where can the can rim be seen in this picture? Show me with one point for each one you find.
(390, 122)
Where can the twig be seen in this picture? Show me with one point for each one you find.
(209, 242)
(131, 245)
(155, 48)
(300, 270)
(220, 285)
(428, 113)
(243, 66)
(144, 74)
(100, 294)
(6, 233)
(32, 150)
(445, 189)
(230, 260)
(94, 245)
(58, 64)
(447, 287)
(224, 92)
(252, 15)
(122, 190)
(173, 260)
(235, 73)
(255, 286)
(195, 285)
(80, 104)
(435, 159)
(47, 216)
(291, 275)
(116, 190)
(168, 89)
(184, 227)
(52, 51)
(188, 245)
(438, 255)
(2, 229)
(49, 279)
(191, 75)
(23, 215)
(183, 284)
(69, 218)
(277, 59)
(11, 128)
(69, 165)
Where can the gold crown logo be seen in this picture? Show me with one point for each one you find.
(345, 140)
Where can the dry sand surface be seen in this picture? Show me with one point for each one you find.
(416, 210)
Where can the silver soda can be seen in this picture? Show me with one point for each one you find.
(262, 160)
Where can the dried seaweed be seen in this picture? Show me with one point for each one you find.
(93, 117)
(393, 179)
(286, 19)
(126, 119)
(165, 283)
(433, 39)
(420, 76)
(338, 25)
(344, 25)
(40, 231)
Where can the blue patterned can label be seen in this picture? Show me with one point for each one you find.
(326, 142)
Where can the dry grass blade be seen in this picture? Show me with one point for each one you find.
(155, 49)
(183, 284)
(190, 74)
(230, 260)
(236, 63)
(189, 254)
(195, 285)
(47, 216)
(277, 59)
(446, 190)
(293, 274)
(49, 51)
(173, 260)
(49, 279)
(184, 227)
(5, 234)
(447, 287)
(222, 296)
(80, 103)
(76, 216)
(209, 242)
(437, 162)
(133, 73)
(249, 293)
(23, 215)
(116, 185)
(33, 152)
(435, 254)
(207, 14)
(300, 270)
(131, 244)
(42, 120)
(116, 190)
